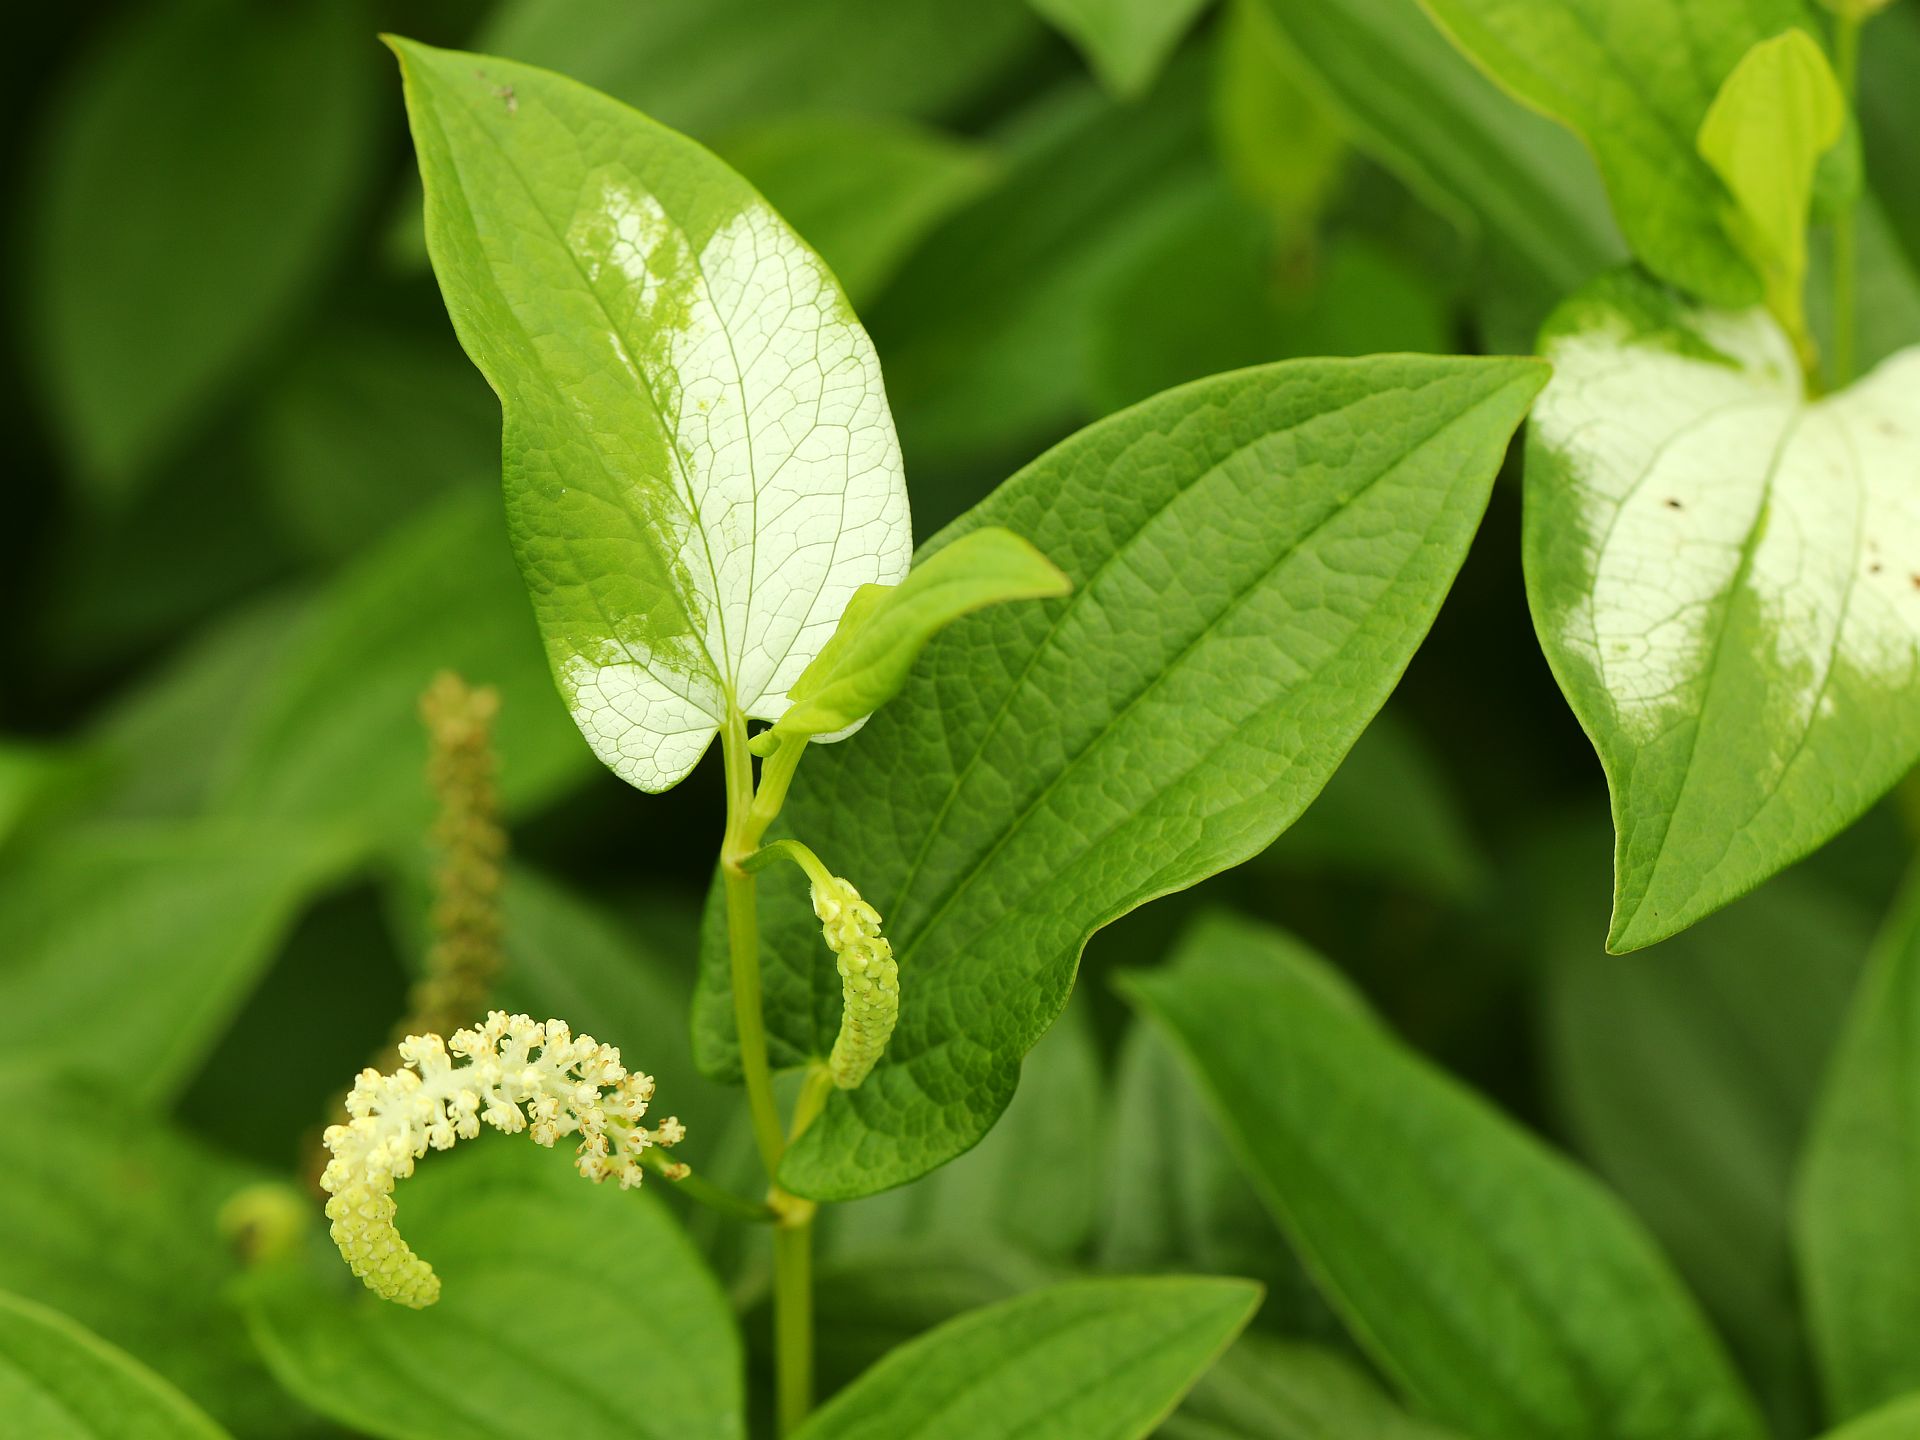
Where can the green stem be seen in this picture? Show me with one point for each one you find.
(788, 850)
(743, 943)
(697, 1187)
(1846, 244)
(748, 815)
(793, 1324)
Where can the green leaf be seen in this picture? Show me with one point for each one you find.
(1778, 112)
(1125, 41)
(123, 1237)
(1857, 1221)
(59, 1381)
(1268, 1389)
(164, 742)
(710, 67)
(1255, 558)
(1634, 79)
(862, 190)
(144, 940)
(885, 627)
(1898, 1421)
(1890, 121)
(1032, 1186)
(867, 1305)
(568, 1309)
(1174, 1198)
(181, 226)
(1738, 1015)
(1278, 138)
(1553, 1314)
(1725, 577)
(1419, 107)
(334, 738)
(700, 464)
(371, 423)
(1086, 1360)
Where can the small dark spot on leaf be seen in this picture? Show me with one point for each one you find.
(1875, 568)
(1673, 504)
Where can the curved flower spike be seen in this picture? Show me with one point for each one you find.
(518, 1075)
(869, 978)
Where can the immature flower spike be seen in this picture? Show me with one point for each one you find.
(518, 1075)
(869, 979)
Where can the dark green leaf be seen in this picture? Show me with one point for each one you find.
(198, 178)
(1634, 79)
(335, 738)
(1125, 41)
(371, 423)
(1503, 1290)
(1087, 1360)
(862, 190)
(1858, 1218)
(1423, 110)
(1266, 1389)
(59, 1381)
(126, 950)
(709, 67)
(1738, 1016)
(111, 1217)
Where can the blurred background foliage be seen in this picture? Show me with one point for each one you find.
(253, 509)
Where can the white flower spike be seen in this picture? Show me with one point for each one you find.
(869, 979)
(519, 1075)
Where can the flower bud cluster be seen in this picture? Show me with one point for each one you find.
(869, 980)
(518, 1075)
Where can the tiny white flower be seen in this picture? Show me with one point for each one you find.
(569, 1085)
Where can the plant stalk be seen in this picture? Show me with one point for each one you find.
(748, 816)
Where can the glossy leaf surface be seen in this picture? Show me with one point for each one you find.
(1421, 108)
(1858, 1219)
(1778, 112)
(145, 940)
(58, 1381)
(700, 464)
(1552, 1315)
(1087, 1360)
(1268, 1389)
(1125, 41)
(1270, 548)
(124, 1238)
(181, 224)
(1634, 79)
(1725, 577)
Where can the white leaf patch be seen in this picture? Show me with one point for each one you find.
(1726, 577)
(786, 473)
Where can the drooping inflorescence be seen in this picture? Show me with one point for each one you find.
(518, 1075)
(869, 979)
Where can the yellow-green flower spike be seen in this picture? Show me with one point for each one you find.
(518, 1075)
(869, 979)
